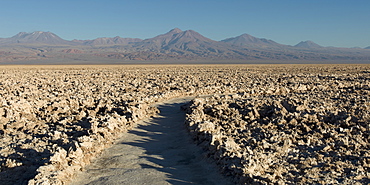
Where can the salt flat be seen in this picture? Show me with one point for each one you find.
(55, 119)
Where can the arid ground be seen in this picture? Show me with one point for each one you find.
(284, 124)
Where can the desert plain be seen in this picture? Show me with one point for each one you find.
(263, 124)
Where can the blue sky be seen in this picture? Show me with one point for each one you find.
(341, 23)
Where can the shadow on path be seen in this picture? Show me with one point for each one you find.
(158, 151)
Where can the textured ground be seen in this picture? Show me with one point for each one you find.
(55, 119)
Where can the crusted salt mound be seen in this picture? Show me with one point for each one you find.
(314, 132)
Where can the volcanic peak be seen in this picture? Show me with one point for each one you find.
(308, 44)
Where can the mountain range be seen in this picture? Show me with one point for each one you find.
(35, 37)
(108, 41)
(173, 45)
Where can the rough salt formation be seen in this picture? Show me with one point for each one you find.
(290, 128)
(55, 119)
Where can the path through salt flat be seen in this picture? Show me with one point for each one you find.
(157, 151)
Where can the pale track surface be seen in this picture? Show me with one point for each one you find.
(158, 151)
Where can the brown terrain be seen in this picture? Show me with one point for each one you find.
(174, 46)
(283, 124)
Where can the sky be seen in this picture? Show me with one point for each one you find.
(340, 23)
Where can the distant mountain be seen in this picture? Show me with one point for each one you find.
(246, 40)
(367, 47)
(109, 41)
(182, 42)
(308, 44)
(160, 41)
(37, 37)
(175, 38)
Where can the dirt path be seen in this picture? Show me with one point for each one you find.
(158, 151)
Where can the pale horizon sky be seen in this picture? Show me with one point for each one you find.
(339, 23)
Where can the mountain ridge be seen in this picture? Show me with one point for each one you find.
(173, 45)
(42, 37)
